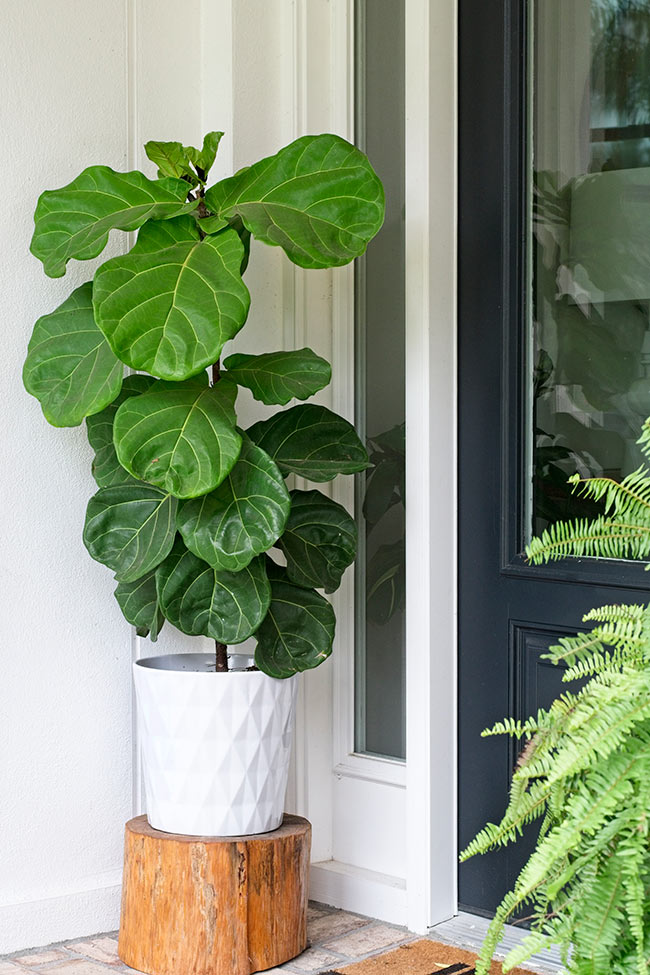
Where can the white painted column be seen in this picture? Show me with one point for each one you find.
(431, 607)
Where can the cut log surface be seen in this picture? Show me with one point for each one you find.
(206, 905)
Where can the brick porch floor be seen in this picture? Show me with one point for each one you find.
(336, 938)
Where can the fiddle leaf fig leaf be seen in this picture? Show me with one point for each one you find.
(319, 541)
(311, 441)
(130, 528)
(179, 436)
(106, 468)
(297, 632)
(198, 599)
(70, 367)
(244, 516)
(277, 377)
(212, 225)
(172, 159)
(169, 312)
(318, 198)
(138, 601)
(204, 158)
(75, 220)
(158, 235)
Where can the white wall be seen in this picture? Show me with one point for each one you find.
(82, 81)
(88, 81)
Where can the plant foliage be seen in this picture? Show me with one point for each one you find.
(584, 769)
(189, 504)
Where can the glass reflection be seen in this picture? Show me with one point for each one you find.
(590, 245)
(380, 707)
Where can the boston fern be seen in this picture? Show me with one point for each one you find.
(189, 504)
(584, 770)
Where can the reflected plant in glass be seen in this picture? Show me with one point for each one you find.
(385, 499)
(589, 347)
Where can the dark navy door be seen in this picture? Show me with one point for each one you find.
(554, 350)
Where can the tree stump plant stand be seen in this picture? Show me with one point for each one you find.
(206, 905)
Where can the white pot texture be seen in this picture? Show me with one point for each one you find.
(215, 747)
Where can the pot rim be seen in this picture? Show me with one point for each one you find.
(153, 665)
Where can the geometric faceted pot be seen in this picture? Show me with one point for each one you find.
(215, 746)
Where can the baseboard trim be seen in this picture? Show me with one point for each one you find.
(366, 892)
(74, 914)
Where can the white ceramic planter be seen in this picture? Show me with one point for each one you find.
(215, 747)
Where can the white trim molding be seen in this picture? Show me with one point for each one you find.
(418, 884)
(381, 895)
(431, 614)
(77, 911)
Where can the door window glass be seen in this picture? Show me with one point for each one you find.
(590, 246)
(380, 596)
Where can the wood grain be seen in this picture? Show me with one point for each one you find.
(205, 905)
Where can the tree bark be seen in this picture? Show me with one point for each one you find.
(198, 905)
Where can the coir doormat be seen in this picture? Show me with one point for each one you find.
(421, 958)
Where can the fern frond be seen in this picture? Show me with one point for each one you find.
(629, 497)
(516, 729)
(597, 663)
(611, 613)
(644, 439)
(572, 648)
(602, 909)
(601, 537)
(553, 931)
(525, 809)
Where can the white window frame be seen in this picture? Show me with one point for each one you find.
(320, 80)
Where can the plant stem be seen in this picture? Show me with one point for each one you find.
(221, 648)
(221, 657)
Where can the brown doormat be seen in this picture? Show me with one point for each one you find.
(421, 958)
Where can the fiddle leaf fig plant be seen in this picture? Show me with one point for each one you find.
(193, 513)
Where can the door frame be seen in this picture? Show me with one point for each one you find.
(431, 448)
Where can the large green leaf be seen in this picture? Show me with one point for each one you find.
(106, 468)
(179, 436)
(226, 606)
(298, 630)
(319, 541)
(70, 367)
(130, 528)
(311, 441)
(75, 220)
(318, 198)
(169, 312)
(158, 235)
(244, 516)
(138, 601)
(277, 377)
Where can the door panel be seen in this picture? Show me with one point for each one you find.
(510, 611)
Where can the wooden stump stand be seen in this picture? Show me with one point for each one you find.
(206, 905)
